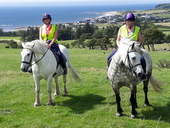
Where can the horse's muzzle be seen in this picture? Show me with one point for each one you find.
(138, 74)
(24, 69)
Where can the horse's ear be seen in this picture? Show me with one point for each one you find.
(133, 45)
(23, 44)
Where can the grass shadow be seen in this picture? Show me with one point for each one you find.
(158, 113)
(80, 104)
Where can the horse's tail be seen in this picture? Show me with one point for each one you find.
(73, 73)
(157, 85)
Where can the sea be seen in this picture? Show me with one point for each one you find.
(15, 17)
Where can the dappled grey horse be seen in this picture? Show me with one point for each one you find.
(126, 70)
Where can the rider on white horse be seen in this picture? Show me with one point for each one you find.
(49, 33)
(129, 30)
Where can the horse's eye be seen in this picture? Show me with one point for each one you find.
(133, 58)
(28, 54)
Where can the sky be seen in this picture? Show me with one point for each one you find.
(77, 2)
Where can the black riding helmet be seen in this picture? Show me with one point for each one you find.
(46, 16)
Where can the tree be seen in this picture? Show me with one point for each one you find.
(23, 35)
(110, 31)
(98, 34)
(79, 43)
(104, 43)
(1, 32)
(152, 36)
(78, 32)
(32, 33)
(167, 40)
(65, 33)
(91, 43)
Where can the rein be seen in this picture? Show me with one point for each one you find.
(32, 53)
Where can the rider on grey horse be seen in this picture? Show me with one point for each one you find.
(129, 30)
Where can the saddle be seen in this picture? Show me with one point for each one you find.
(58, 59)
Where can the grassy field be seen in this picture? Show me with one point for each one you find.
(90, 104)
(9, 38)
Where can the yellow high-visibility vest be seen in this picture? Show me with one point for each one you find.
(50, 36)
(133, 35)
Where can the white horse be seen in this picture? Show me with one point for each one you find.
(44, 66)
(126, 70)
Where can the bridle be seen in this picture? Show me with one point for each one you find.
(131, 66)
(30, 61)
(32, 54)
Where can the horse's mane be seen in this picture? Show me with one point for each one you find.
(38, 46)
(127, 42)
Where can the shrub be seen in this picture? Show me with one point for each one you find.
(12, 44)
(163, 63)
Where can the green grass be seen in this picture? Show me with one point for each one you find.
(12, 38)
(165, 30)
(90, 104)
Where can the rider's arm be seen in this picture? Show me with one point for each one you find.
(118, 38)
(139, 38)
(40, 33)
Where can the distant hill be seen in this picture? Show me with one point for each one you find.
(163, 6)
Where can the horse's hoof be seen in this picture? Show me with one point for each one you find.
(51, 104)
(146, 105)
(119, 114)
(133, 116)
(56, 94)
(65, 94)
(35, 105)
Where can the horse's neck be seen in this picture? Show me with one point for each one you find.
(121, 53)
(44, 59)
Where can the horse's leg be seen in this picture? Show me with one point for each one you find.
(37, 91)
(118, 100)
(57, 90)
(145, 89)
(65, 88)
(133, 101)
(49, 91)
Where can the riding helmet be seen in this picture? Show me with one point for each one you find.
(46, 16)
(130, 16)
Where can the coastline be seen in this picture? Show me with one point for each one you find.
(31, 15)
(103, 14)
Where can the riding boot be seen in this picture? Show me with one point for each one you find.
(64, 68)
(143, 62)
(63, 63)
(108, 62)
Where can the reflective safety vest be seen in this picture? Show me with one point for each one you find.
(48, 34)
(133, 35)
